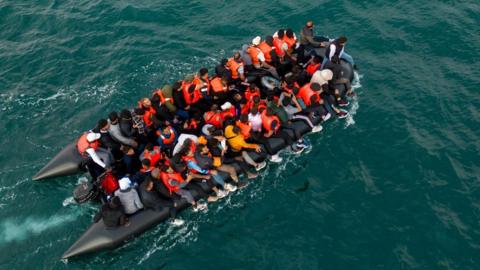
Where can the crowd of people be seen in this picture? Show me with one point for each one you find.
(199, 131)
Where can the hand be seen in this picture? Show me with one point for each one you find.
(213, 171)
(258, 149)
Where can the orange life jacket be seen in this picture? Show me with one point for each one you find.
(154, 156)
(278, 43)
(189, 158)
(163, 99)
(234, 66)
(148, 114)
(190, 98)
(249, 105)
(214, 118)
(165, 177)
(306, 92)
(83, 144)
(232, 112)
(266, 49)
(245, 128)
(167, 140)
(249, 94)
(253, 52)
(290, 42)
(312, 67)
(290, 90)
(268, 120)
(217, 85)
(192, 125)
(201, 85)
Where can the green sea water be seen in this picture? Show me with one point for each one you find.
(397, 186)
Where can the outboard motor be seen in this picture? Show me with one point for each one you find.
(85, 192)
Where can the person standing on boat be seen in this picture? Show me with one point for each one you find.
(337, 48)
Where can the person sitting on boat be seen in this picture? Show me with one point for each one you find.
(167, 138)
(177, 184)
(219, 89)
(214, 116)
(202, 82)
(309, 41)
(314, 65)
(128, 196)
(252, 91)
(115, 131)
(106, 140)
(236, 68)
(268, 51)
(222, 69)
(112, 214)
(259, 61)
(337, 48)
(149, 113)
(153, 153)
(149, 196)
(337, 70)
(314, 105)
(320, 80)
(239, 147)
(88, 145)
(204, 160)
(207, 176)
(131, 163)
(142, 132)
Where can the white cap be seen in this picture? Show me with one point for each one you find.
(227, 105)
(205, 129)
(256, 40)
(327, 74)
(92, 136)
(124, 183)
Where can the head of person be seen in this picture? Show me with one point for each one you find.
(256, 41)
(103, 124)
(254, 110)
(203, 73)
(309, 24)
(253, 87)
(146, 163)
(342, 40)
(237, 56)
(244, 118)
(316, 87)
(149, 185)
(127, 150)
(317, 59)
(115, 203)
(113, 116)
(149, 147)
(155, 173)
(289, 33)
(166, 129)
(269, 40)
(281, 33)
(166, 168)
(214, 108)
(313, 99)
(224, 62)
(203, 149)
(256, 99)
(125, 114)
(146, 102)
(139, 111)
(225, 79)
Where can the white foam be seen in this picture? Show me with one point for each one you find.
(12, 230)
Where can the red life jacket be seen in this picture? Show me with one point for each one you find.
(83, 144)
(278, 43)
(249, 105)
(109, 183)
(190, 98)
(201, 85)
(214, 118)
(234, 66)
(149, 113)
(170, 139)
(192, 124)
(266, 49)
(312, 67)
(305, 93)
(232, 112)
(164, 176)
(217, 85)
(268, 120)
(245, 128)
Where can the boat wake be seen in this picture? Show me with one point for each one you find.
(12, 230)
(356, 84)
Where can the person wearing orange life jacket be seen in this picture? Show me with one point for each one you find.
(290, 39)
(258, 58)
(151, 152)
(268, 51)
(310, 95)
(252, 91)
(214, 116)
(236, 67)
(219, 89)
(167, 138)
(149, 116)
(314, 65)
(191, 93)
(202, 82)
(255, 101)
(177, 184)
(245, 126)
(228, 110)
(281, 47)
(88, 146)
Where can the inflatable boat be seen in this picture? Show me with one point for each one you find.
(98, 237)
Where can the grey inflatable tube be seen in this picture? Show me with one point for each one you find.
(67, 162)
